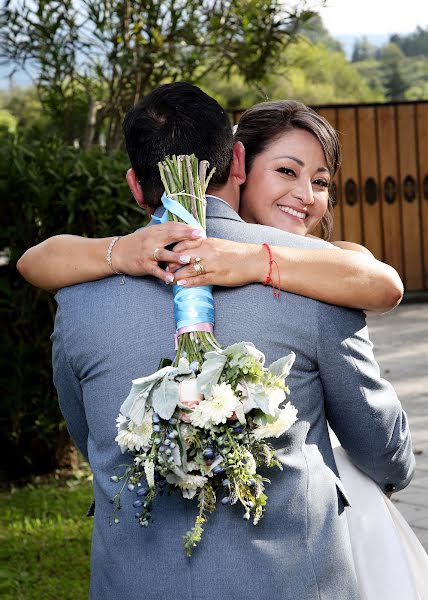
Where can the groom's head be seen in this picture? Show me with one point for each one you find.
(176, 118)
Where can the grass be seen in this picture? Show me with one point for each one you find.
(46, 539)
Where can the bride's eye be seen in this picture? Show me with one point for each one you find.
(322, 182)
(286, 171)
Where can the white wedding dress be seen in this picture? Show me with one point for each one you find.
(390, 562)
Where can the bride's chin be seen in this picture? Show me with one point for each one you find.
(296, 228)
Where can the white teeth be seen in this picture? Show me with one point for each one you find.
(291, 211)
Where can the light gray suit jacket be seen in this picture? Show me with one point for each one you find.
(107, 334)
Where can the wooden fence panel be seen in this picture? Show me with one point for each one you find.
(369, 186)
(349, 195)
(422, 136)
(388, 179)
(410, 203)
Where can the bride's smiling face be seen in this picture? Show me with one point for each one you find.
(287, 185)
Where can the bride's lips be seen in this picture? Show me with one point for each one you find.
(292, 212)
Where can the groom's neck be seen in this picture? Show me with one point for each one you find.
(228, 193)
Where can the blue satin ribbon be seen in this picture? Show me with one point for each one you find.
(191, 305)
(178, 210)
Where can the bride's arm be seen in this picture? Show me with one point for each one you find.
(351, 277)
(64, 260)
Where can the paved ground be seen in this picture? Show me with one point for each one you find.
(400, 343)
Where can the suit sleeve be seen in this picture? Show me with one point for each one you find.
(361, 407)
(69, 390)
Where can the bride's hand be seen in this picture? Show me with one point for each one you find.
(140, 252)
(224, 262)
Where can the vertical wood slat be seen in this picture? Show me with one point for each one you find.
(331, 115)
(352, 226)
(422, 136)
(388, 171)
(369, 185)
(410, 210)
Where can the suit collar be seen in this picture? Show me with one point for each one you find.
(219, 209)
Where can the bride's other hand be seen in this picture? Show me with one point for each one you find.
(224, 263)
(64, 260)
(140, 253)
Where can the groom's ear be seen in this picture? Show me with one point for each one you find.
(237, 166)
(135, 188)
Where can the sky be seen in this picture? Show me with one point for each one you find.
(360, 17)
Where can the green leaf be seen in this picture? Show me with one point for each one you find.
(281, 367)
(244, 349)
(257, 395)
(210, 374)
(134, 405)
(165, 397)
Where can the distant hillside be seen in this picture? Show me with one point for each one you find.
(348, 40)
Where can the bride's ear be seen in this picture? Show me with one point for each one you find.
(237, 167)
(135, 188)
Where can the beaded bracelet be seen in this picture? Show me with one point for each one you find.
(268, 280)
(109, 255)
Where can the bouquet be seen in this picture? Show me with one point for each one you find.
(200, 425)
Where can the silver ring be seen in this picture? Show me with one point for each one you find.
(156, 254)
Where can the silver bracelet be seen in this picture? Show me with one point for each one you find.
(109, 255)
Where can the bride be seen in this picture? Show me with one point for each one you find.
(291, 155)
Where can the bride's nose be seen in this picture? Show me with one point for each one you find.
(304, 192)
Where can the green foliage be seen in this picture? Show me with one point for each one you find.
(8, 123)
(206, 504)
(363, 50)
(46, 541)
(47, 189)
(412, 44)
(95, 58)
(310, 72)
(399, 69)
(317, 76)
(25, 106)
(315, 31)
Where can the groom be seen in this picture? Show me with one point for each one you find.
(107, 334)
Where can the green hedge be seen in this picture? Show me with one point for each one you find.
(46, 188)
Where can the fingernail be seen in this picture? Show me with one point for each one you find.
(184, 259)
(182, 282)
(198, 233)
(169, 278)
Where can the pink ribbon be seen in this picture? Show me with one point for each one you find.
(207, 327)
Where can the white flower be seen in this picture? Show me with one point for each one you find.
(276, 396)
(217, 409)
(192, 481)
(131, 436)
(149, 470)
(287, 416)
(189, 484)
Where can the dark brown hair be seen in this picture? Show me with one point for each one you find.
(177, 118)
(263, 123)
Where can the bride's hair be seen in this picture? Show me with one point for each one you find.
(263, 123)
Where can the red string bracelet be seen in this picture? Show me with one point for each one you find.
(268, 279)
